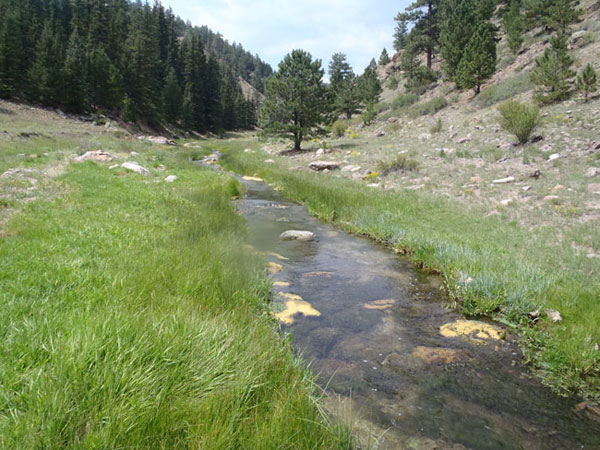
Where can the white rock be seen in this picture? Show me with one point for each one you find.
(507, 202)
(134, 154)
(504, 180)
(526, 188)
(320, 152)
(553, 157)
(592, 172)
(322, 165)
(114, 166)
(296, 235)
(351, 168)
(416, 187)
(554, 315)
(463, 140)
(549, 198)
(269, 161)
(135, 167)
(161, 140)
(171, 178)
(380, 132)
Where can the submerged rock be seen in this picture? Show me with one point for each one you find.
(135, 167)
(380, 304)
(471, 329)
(274, 268)
(295, 305)
(296, 235)
(441, 356)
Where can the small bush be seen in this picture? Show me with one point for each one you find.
(519, 119)
(506, 89)
(372, 176)
(429, 108)
(393, 83)
(369, 115)
(400, 163)
(404, 101)
(437, 127)
(339, 128)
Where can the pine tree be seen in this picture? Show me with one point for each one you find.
(514, 26)
(587, 82)
(194, 78)
(75, 71)
(400, 32)
(459, 19)
(384, 58)
(46, 73)
(296, 98)
(553, 73)
(172, 97)
(212, 95)
(369, 86)
(343, 84)
(557, 15)
(424, 36)
(479, 60)
(12, 42)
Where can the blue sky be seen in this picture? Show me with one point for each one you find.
(358, 28)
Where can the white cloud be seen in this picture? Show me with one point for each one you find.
(271, 29)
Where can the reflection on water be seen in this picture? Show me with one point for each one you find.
(406, 369)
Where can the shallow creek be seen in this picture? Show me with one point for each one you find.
(392, 357)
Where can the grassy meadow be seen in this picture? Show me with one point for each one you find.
(133, 316)
(490, 266)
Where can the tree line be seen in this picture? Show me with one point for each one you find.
(134, 59)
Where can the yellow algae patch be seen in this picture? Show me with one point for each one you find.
(278, 256)
(472, 329)
(318, 274)
(380, 304)
(274, 268)
(281, 284)
(253, 179)
(295, 305)
(441, 356)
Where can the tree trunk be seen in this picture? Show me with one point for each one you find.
(297, 140)
(349, 115)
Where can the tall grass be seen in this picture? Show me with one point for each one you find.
(489, 266)
(133, 316)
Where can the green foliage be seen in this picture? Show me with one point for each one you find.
(424, 35)
(172, 97)
(429, 108)
(369, 115)
(557, 15)
(339, 128)
(479, 59)
(514, 26)
(384, 58)
(403, 101)
(400, 32)
(129, 114)
(368, 84)
(344, 86)
(419, 78)
(519, 119)
(505, 89)
(393, 83)
(553, 73)
(296, 98)
(398, 164)
(587, 82)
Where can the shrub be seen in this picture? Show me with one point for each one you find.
(404, 101)
(587, 82)
(519, 119)
(437, 127)
(369, 115)
(339, 128)
(504, 90)
(429, 108)
(393, 83)
(400, 163)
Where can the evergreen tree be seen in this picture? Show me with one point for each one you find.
(479, 60)
(212, 95)
(194, 78)
(384, 58)
(424, 36)
(45, 74)
(75, 71)
(343, 84)
(587, 82)
(369, 86)
(459, 19)
(11, 52)
(514, 26)
(400, 32)
(553, 73)
(296, 100)
(557, 15)
(172, 97)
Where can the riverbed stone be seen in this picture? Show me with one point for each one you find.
(472, 329)
(297, 235)
(441, 356)
(274, 268)
(294, 305)
(380, 304)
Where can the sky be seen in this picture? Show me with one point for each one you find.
(273, 28)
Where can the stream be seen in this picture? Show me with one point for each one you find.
(395, 361)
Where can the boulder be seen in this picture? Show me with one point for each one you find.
(592, 172)
(351, 168)
(553, 157)
(463, 140)
(97, 155)
(161, 140)
(135, 167)
(322, 165)
(171, 178)
(380, 132)
(296, 235)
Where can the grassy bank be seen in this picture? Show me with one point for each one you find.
(132, 316)
(490, 266)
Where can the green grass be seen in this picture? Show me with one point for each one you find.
(489, 266)
(133, 316)
(504, 90)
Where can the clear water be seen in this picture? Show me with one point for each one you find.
(369, 360)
